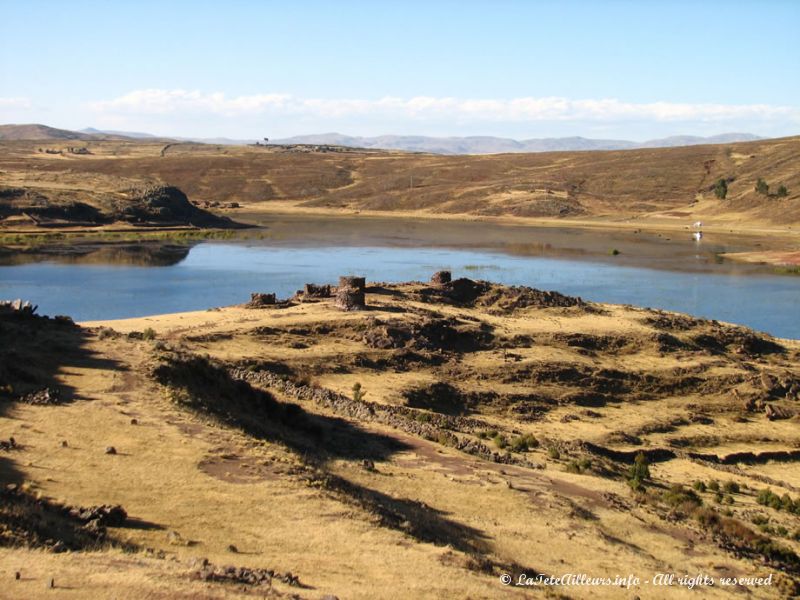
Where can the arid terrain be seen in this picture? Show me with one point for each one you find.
(445, 435)
(664, 187)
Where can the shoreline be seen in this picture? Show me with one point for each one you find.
(650, 225)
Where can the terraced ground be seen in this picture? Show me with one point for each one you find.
(495, 431)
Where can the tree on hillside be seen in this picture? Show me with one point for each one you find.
(721, 189)
(762, 187)
(639, 472)
(782, 191)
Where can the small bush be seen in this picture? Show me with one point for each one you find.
(524, 442)
(721, 189)
(553, 453)
(579, 466)
(731, 487)
(782, 191)
(500, 441)
(699, 486)
(678, 496)
(358, 393)
(713, 485)
(639, 471)
(762, 187)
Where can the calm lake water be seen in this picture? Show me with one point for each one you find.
(219, 274)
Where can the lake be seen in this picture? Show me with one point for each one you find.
(651, 270)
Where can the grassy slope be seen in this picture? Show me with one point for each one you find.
(664, 183)
(429, 520)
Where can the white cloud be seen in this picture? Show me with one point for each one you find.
(14, 103)
(165, 102)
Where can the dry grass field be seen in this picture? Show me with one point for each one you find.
(664, 187)
(495, 431)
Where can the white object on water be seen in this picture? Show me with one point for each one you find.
(697, 236)
(697, 224)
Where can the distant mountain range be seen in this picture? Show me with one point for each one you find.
(408, 143)
(494, 145)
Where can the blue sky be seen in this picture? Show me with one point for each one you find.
(619, 69)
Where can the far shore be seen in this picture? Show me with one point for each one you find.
(761, 243)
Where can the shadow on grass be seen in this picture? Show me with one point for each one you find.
(33, 350)
(205, 386)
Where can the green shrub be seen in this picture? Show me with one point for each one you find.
(500, 441)
(713, 485)
(524, 442)
(731, 487)
(721, 189)
(762, 187)
(680, 497)
(149, 334)
(573, 467)
(358, 393)
(700, 486)
(553, 453)
(639, 471)
(782, 191)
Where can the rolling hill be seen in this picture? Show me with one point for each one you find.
(648, 184)
(494, 145)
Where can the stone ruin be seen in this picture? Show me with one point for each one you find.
(313, 290)
(17, 307)
(350, 293)
(441, 277)
(259, 300)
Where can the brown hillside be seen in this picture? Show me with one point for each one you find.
(35, 131)
(494, 433)
(662, 183)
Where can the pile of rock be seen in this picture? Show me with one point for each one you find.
(207, 571)
(350, 295)
(44, 397)
(104, 515)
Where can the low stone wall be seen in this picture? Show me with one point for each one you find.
(436, 427)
